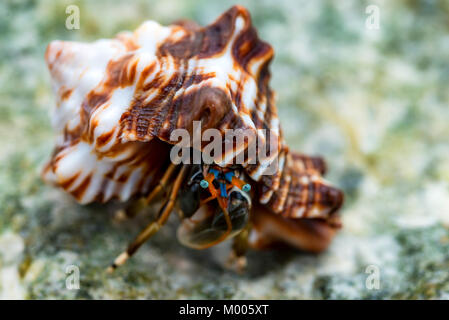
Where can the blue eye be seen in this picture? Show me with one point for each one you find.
(246, 187)
(204, 184)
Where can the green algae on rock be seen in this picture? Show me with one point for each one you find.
(373, 102)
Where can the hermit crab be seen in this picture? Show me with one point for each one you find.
(123, 104)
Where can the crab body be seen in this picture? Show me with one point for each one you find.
(120, 101)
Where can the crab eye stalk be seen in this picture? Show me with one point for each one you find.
(204, 184)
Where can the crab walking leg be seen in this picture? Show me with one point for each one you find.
(143, 202)
(162, 185)
(240, 244)
(154, 226)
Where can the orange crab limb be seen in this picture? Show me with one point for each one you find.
(223, 202)
(238, 182)
(208, 199)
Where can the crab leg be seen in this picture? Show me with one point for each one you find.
(240, 244)
(134, 209)
(162, 185)
(154, 226)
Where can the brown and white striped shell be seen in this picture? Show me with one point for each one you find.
(118, 101)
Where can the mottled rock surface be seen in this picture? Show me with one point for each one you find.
(373, 102)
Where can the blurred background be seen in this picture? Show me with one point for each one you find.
(373, 102)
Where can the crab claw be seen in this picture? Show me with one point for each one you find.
(208, 225)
